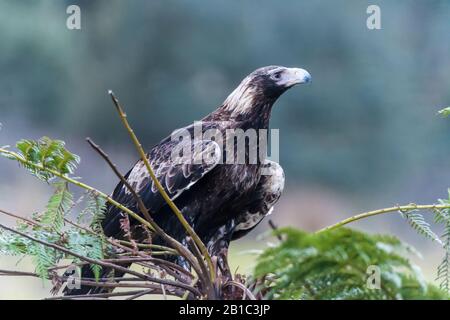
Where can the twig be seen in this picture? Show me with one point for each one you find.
(275, 228)
(166, 265)
(176, 275)
(383, 211)
(90, 283)
(122, 179)
(119, 242)
(27, 220)
(116, 279)
(140, 294)
(95, 283)
(97, 295)
(17, 273)
(172, 266)
(67, 265)
(32, 222)
(208, 284)
(146, 246)
(163, 291)
(186, 294)
(246, 291)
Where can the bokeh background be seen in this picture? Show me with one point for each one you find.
(364, 135)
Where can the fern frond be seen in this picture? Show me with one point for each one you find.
(418, 223)
(97, 210)
(88, 245)
(46, 153)
(11, 244)
(57, 207)
(97, 253)
(43, 258)
(443, 270)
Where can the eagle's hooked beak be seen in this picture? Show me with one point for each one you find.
(293, 76)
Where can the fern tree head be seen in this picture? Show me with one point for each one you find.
(337, 264)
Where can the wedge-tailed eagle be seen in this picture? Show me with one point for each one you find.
(222, 198)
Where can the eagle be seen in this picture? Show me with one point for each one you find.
(222, 197)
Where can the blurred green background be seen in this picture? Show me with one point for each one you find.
(364, 135)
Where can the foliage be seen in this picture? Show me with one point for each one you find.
(44, 257)
(50, 225)
(442, 217)
(417, 221)
(443, 271)
(445, 112)
(334, 265)
(60, 203)
(93, 212)
(95, 207)
(45, 153)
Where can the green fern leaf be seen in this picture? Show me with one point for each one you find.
(46, 153)
(59, 204)
(445, 112)
(43, 259)
(418, 223)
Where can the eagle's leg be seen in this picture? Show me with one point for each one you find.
(218, 248)
(181, 261)
(222, 262)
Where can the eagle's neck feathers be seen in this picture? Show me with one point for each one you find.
(242, 99)
(246, 104)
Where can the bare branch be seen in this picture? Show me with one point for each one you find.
(17, 273)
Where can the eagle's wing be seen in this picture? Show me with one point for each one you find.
(260, 204)
(177, 165)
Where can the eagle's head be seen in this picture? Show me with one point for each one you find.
(262, 88)
(272, 81)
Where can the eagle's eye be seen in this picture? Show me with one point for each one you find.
(276, 75)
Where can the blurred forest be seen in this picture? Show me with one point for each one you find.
(364, 135)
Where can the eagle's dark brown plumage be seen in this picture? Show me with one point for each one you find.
(221, 201)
